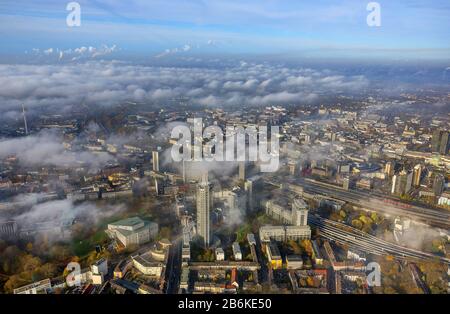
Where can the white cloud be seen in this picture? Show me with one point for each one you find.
(182, 49)
(48, 51)
(77, 53)
(46, 148)
(102, 83)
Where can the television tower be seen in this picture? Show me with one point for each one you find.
(25, 119)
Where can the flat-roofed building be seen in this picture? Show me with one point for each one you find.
(209, 287)
(97, 279)
(284, 233)
(186, 252)
(268, 232)
(145, 289)
(251, 239)
(298, 232)
(278, 212)
(297, 215)
(184, 279)
(122, 268)
(317, 255)
(299, 212)
(444, 199)
(274, 256)
(237, 251)
(39, 287)
(99, 270)
(220, 254)
(133, 231)
(294, 261)
(165, 243)
(100, 266)
(147, 266)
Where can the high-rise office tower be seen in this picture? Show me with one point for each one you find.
(155, 160)
(417, 175)
(346, 183)
(157, 186)
(389, 169)
(435, 140)
(440, 142)
(248, 187)
(204, 198)
(291, 166)
(438, 184)
(307, 139)
(444, 144)
(402, 182)
(395, 180)
(242, 170)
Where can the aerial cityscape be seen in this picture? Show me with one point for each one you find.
(214, 148)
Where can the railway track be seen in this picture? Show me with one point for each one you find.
(362, 241)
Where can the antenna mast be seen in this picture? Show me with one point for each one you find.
(25, 119)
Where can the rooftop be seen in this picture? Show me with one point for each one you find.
(132, 221)
(275, 252)
(146, 261)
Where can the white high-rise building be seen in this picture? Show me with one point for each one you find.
(204, 205)
(155, 160)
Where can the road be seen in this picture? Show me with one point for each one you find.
(173, 271)
(264, 271)
(365, 242)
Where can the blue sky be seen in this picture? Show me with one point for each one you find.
(409, 29)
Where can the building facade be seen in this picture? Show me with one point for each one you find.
(133, 231)
(204, 198)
